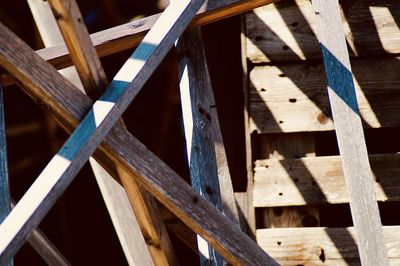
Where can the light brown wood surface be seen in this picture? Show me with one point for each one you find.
(286, 31)
(293, 97)
(317, 180)
(321, 246)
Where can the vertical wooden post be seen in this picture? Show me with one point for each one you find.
(5, 204)
(349, 132)
(206, 154)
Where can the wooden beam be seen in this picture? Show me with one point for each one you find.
(5, 204)
(68, 105)
(94, 80)
(210, 179)
(286, 31)
(129, 35)
(45, 248)
(319, 180)
(350, 136)
(321, 246)
(293, 98)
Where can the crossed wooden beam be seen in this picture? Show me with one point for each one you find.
(120, 148)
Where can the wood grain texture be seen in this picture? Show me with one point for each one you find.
(129, 35)
(94, 80)
(286, 31)
(68, 105)
(81, 49)
(350, 136)
(287, 147)
(5, 204)
(321, 246)
(203, 138)
(319, 180)
(293, 98)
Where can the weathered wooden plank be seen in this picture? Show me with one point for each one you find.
(321, 246)
(286, 31)
(349, 133)
(94, 80)
(5, 204)
(319, 180)
(203, 137)
(285, 146)
(293, 98)
(45, 248)
(68, 105)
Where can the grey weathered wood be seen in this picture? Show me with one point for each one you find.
(293, 98)
(116, 200)
(321, 246)
(350, 136)
(68, 106)
(203, 137)
(129, 35)
(5, 204)
(286, 31)
(319, 180)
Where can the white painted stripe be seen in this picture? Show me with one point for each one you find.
(203, 247)
(100, 110)
(32, 199)
(129, 70)
(186, 110)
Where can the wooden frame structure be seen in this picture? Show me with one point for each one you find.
(209, 212)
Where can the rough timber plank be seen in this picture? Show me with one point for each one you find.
(286, 31)
(293, 97)
(319, 180)
(5, 203)
(119, 203)
(321, 246)
(68, 105)
(202, 133)
(350, 136)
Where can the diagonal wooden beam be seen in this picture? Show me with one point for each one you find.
(94, 80)
(64, 166)
(130, 34)
(350, 135)
(68, 105)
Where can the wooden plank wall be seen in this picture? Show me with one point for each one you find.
(289, 109)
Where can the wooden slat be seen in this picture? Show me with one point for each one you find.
(68, 105)
(286, 31)
(321, 246)
(123, 37)
(293, 98)
(5, 204)
(203, 136)
(45, 248)
(94, 80)
(319, 180)
(349, 133)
